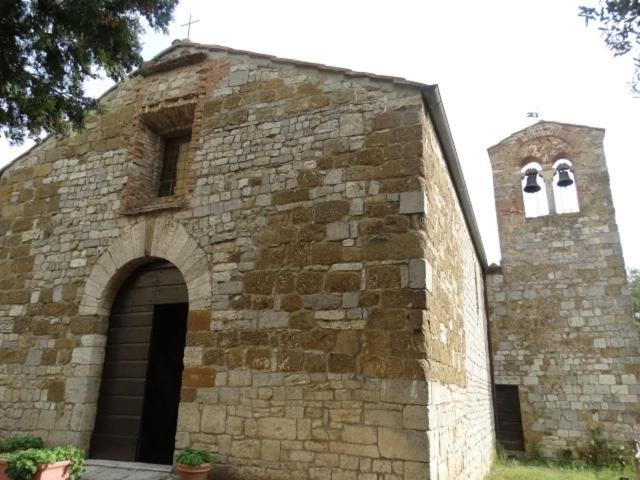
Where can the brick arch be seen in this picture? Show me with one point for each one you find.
(151, 238)
(545, 149)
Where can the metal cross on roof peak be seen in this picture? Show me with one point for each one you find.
(188, 25)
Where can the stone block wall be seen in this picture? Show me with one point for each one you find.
(328, 291)
(560, 307)
(461, 433)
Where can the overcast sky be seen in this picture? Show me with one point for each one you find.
(493, 60)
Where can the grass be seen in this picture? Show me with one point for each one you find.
(523, 470)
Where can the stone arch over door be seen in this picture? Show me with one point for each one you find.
(136, 419)
(150, 238)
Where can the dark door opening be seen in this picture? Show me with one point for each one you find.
(509, 418)
(139, 393)
(162, 393)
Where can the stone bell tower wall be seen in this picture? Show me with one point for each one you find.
(561, 324)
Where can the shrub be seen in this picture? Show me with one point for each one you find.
(193, 457)
(11, 444)
(600, 452)
(23, 465)
(535, 454)
(500, 455)
(566, 455)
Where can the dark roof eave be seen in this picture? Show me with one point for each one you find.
(433, 104)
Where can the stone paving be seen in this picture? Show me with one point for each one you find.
(110, 470)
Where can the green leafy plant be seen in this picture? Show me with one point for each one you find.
(633, 276)
(500, 454)
(599, 458)
(13, 443)
(619, 23)
(50, 48)
(535, 454)
(523, 469)
(601, 452)
(23, 465)
(193, 457)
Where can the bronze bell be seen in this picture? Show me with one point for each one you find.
(532, 182)
(564, 179)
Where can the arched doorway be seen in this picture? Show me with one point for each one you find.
(140, 388)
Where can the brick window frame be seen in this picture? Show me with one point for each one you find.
(154, 129)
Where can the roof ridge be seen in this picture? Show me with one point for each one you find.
(565, 124)
(177, 43)
(302, 63)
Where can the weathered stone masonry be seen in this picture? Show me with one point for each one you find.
(561, 319)
(336, 326)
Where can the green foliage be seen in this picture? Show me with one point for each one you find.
(520, 470)
(13, 443)
(193, 457)
(501, 456)
(50, 47)
(600, 459)
(535, 454)
(633, 276)
(620, 25)
(600, 452)
(23, 465)
(566, 455)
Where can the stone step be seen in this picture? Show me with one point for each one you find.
(113, 470)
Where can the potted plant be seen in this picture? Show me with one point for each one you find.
(15, 442)
(58, 463)
(193, 464)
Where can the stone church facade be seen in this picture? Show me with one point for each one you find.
(301, 234)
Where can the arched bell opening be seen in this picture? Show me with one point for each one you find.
(534, 191)
(137, 410)
(565, 193)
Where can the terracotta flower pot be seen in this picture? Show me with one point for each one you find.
(188, 472)
(3, 467)
(52, 471)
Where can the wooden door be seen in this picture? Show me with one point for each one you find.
(141, 305)
(509, 418)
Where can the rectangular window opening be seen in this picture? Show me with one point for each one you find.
(174, 155)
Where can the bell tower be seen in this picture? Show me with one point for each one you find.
(565, 345)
